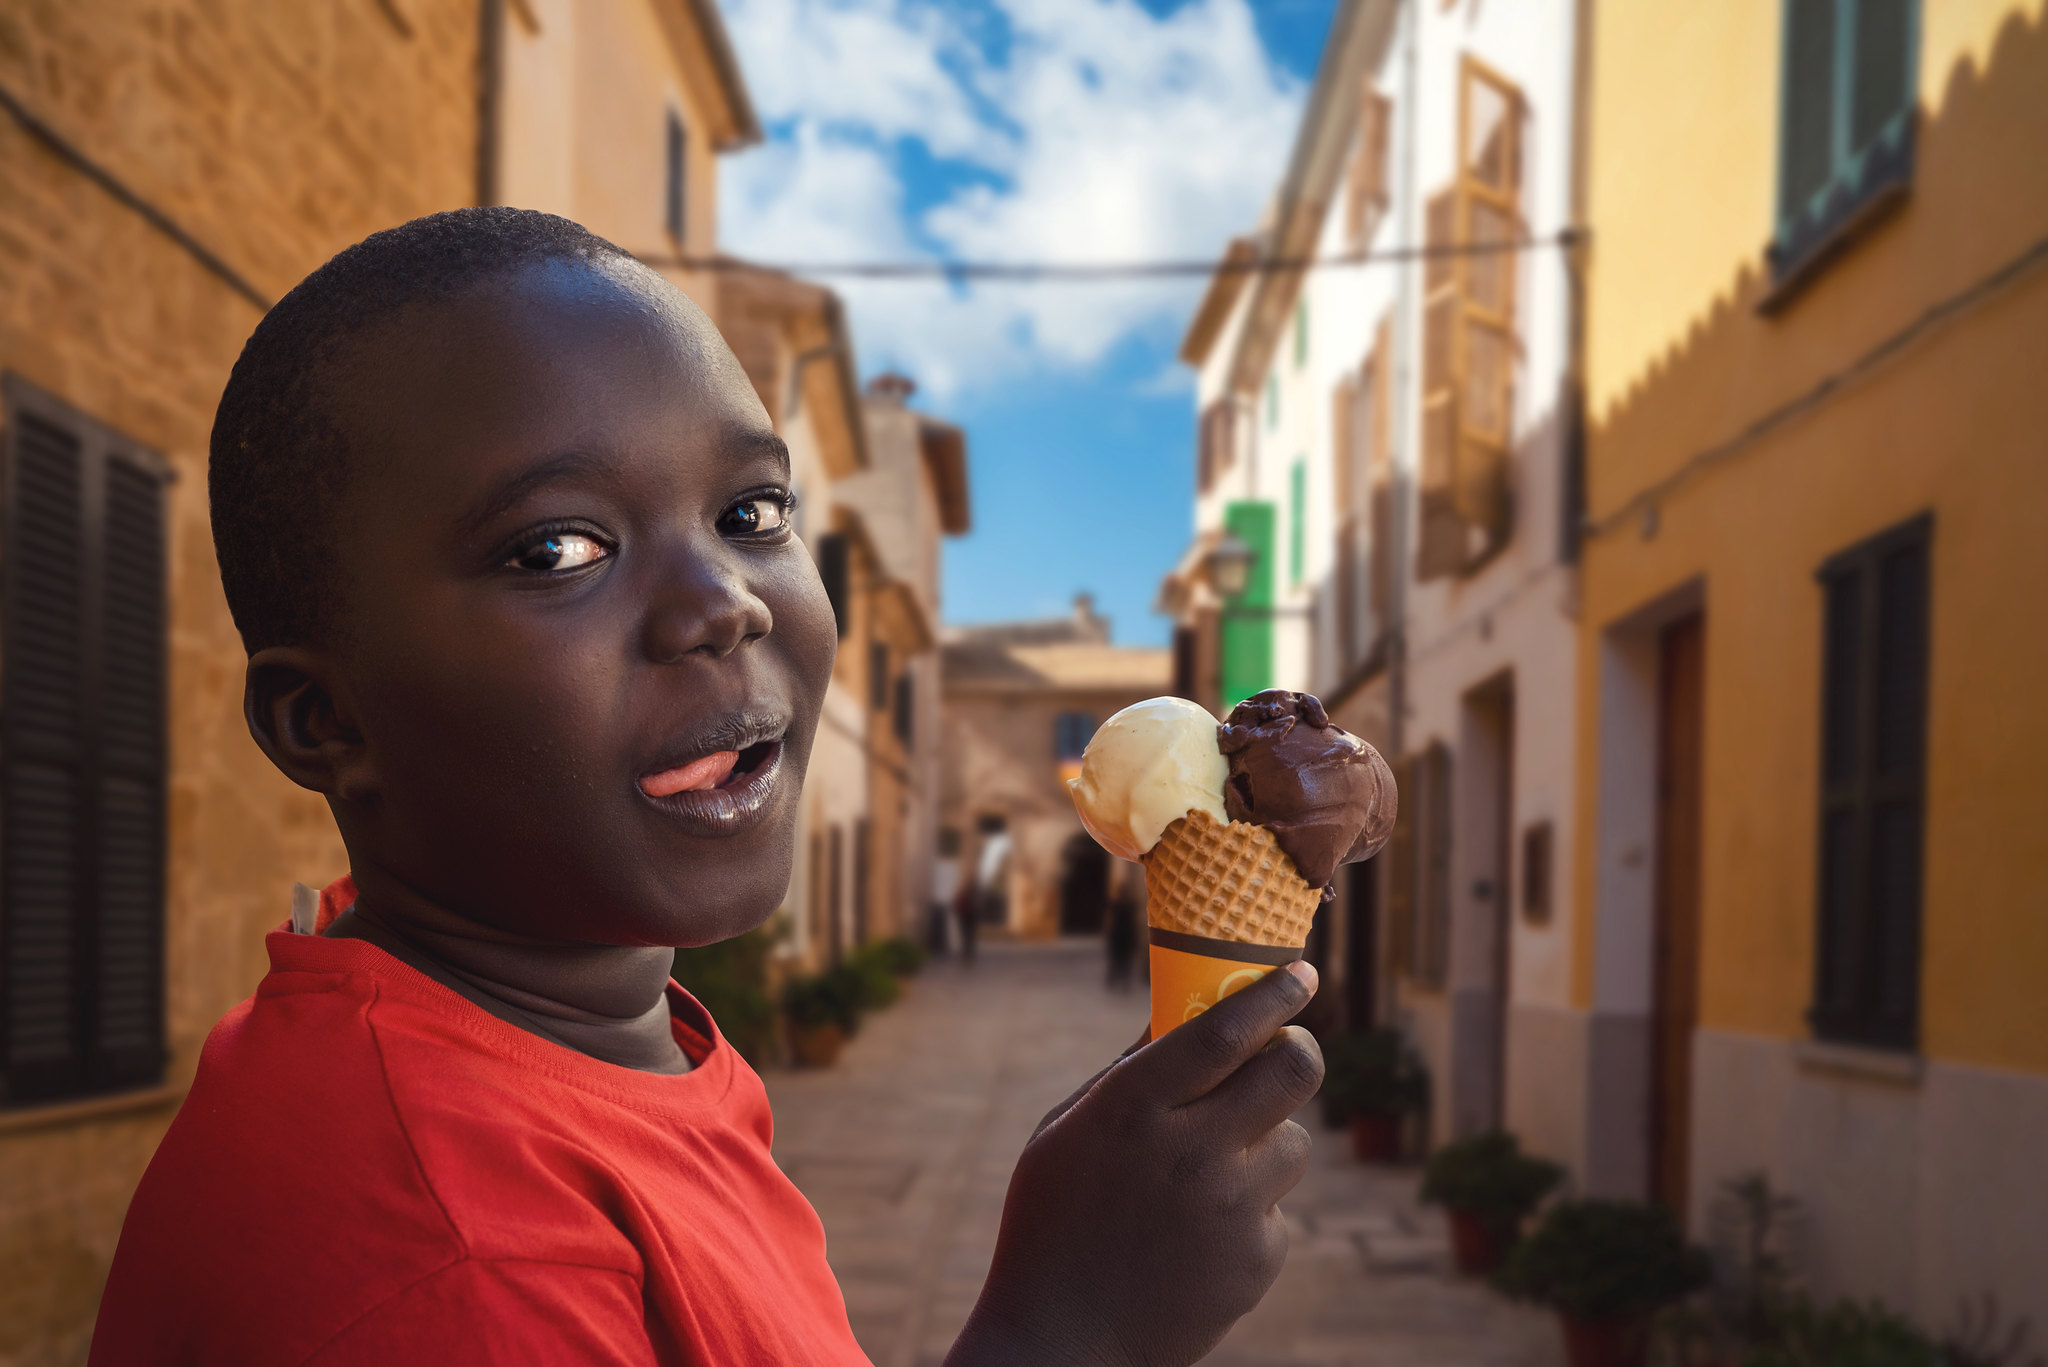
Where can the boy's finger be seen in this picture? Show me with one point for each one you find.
(1193, 1058)
(1056, 1112)
(1276, 1163)
(1272, 1086)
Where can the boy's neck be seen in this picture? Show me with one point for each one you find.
(607, 1001)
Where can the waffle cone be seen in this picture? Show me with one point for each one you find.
(1229, 882)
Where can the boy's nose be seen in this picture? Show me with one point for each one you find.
(709, 614)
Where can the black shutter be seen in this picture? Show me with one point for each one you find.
(81, 758)
(834, 568)
(906, 704)
(41, 762)
(1873, 764)
(1806, 150)
(1882, 84)
(677, 167)
(127, 997)
(1186, 642)
(878, 675)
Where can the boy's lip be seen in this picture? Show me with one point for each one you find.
(718, 781)
(738, 805)
(736, 731)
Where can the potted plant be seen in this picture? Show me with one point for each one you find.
(822, 1012)
(1371, 1083)
(1605, 1267)
(729, 979)
(871, 971)
(1487, 1186)
(901, 955)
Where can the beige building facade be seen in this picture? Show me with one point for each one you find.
(1021, 701)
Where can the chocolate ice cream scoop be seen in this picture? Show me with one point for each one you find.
(1326, 795)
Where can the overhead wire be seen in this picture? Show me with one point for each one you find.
(1083, 271)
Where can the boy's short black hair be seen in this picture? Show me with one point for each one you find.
(279, 462)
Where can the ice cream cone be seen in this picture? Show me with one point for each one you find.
(1227, 883)
(1226, 907)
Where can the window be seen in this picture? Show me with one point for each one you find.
(1187, 641)
(1469, 345)
(1845, 131)
(835, 571)
(1300, 333)
(82, 774)
(1297, 518)
(878, 675)
(1873, 766)
(863, 865)
(1214, 451)
(1536, 856)
(904, 713)
(1071, 732)
(1272, 402)
(675, 198)
(1419, 866)
(1362, 476)
(1365, 187)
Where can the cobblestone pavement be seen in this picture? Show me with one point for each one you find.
(906, 1146)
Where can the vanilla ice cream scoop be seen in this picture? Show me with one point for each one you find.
(1147, 767)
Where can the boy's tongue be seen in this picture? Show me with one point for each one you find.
(694, 777)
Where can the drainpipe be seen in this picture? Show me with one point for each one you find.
(1404, 400)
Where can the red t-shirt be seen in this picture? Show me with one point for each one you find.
(372, 1169)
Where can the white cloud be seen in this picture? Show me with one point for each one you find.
(1102, 133)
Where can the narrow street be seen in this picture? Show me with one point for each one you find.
(905, 1149)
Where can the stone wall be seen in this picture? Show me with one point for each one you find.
(274, 134)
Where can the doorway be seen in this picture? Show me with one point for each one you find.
(1481, 961)
(1084, 887)
(1674, 1009)
(1361, 945)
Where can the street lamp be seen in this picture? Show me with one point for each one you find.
(1229, 565)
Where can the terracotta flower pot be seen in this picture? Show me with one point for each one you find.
(1376, 1138)
(1621, 1341)
(1475, 1246)
(816, 1046)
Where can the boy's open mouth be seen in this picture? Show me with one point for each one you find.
(719, 769)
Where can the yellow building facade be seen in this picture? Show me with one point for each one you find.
(1813, 879)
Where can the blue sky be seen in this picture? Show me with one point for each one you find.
(1028, 129)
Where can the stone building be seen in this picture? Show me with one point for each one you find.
(1022, 699)
(166, 171)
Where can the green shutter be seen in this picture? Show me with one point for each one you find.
(1301, 334)
(1248, 618)
(1272, 402)
(1297, 510)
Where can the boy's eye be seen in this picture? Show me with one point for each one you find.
(757, 515)
(562, 551)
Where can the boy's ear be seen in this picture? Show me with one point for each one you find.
(290, 704)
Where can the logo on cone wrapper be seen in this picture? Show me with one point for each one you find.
(1190, 974)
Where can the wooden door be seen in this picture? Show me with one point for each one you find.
(1361, 946)
(1675, 1008)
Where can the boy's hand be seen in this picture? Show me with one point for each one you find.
(1141, 1221)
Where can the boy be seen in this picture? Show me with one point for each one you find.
(506, 533)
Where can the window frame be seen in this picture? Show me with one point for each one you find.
(676, 173)
(115, 746)
(1849, 967)
(1465, 513)
(1862, 184)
